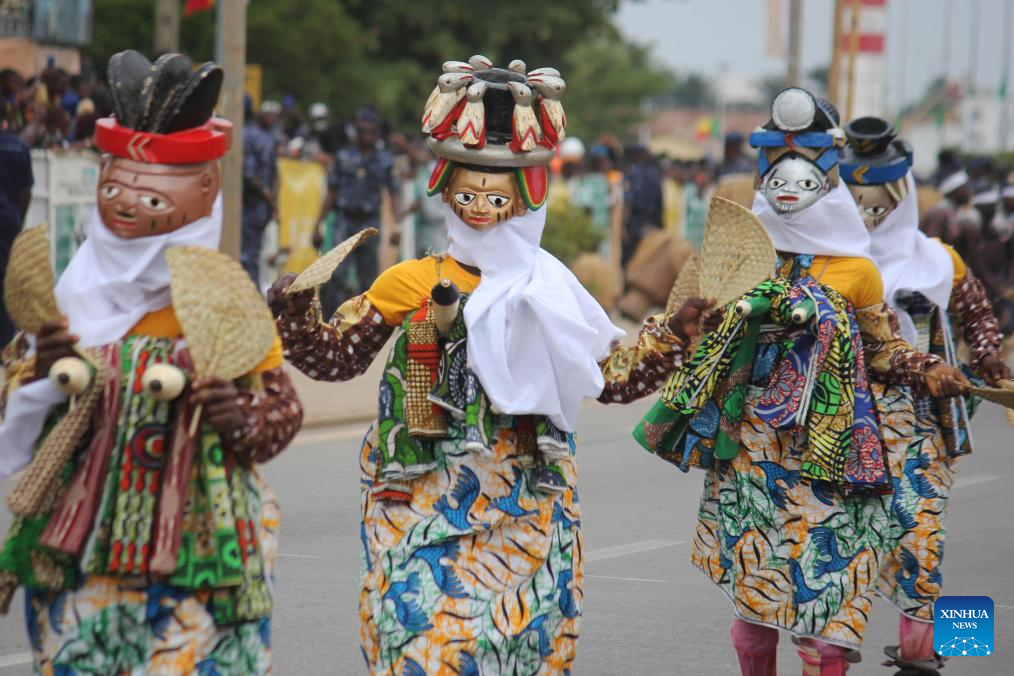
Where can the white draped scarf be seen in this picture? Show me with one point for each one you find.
(109, 285)
(830, 227)
(909, 261)
(535, 335)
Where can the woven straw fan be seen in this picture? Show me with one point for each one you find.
(227, 325)
(1003, 395)
(28, 284)
(737, 253)
(321, 269)
(688, 285)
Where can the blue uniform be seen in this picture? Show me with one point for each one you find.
(15, 180)
(260, 164)
(358, 180)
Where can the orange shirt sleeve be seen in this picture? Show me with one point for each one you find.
(858, 279)
(274, 359)
(404, 287)
(959, 265)
(164, 324)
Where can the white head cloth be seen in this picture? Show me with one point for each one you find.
(535, 336)
(986, 197)
(111, 283)
(831, 227)
(953, 181)
(910, 261)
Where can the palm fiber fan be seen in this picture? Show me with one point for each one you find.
(321, 269)
(736, 256)
(228, 327)
(29, 298)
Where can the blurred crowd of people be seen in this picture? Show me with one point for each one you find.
(974, 213)
(374, 170)
(52, 109)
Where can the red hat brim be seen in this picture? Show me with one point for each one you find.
(208, 142)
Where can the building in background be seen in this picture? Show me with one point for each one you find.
(36, 34)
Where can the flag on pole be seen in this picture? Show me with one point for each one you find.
(194, 6)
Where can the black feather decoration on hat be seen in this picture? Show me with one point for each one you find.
(162, 97)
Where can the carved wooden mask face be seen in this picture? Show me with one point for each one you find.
(794, 183)
(137, 199)
(484, 199)
(875, 203)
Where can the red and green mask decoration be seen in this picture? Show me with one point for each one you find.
(495, 122)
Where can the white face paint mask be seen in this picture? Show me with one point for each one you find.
(793, 184)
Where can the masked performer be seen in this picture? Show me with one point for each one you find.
(471, 531)
(929, 287)
(132, 563)
(776, 406)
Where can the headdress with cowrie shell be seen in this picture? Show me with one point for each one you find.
(507, 119)
(163, 110)
(801, 124)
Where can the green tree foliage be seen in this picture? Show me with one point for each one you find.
(572, 232)
(692, 89)
(388, 52)
(608, 82)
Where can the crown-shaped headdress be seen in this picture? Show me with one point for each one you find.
(496, 118)
(802, 124)
(163, 110)
(873, 154)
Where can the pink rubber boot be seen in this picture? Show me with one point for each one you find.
(756, 647)
(822, 659)
(916, 639)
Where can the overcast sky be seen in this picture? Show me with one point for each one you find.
(704, 35)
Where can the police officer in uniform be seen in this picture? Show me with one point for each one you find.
(359, 175)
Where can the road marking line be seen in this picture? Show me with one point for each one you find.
(631, 548)
(625, 579)
(973, 479)
(300, 556)
(15, 659)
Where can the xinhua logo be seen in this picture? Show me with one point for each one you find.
(963, 626)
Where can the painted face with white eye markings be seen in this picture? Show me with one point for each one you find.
(875, 203)
(484, 199)
(794, 183)
(137, 199)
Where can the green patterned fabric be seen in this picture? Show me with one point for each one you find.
(219, 550)
(23, 557)
(814, 380)
(712, 383)
(451, 387)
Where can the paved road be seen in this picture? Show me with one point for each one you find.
(647, 610)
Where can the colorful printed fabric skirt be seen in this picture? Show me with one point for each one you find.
(793, 554)
(111, 625)
(477, 574)
(910, 568)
